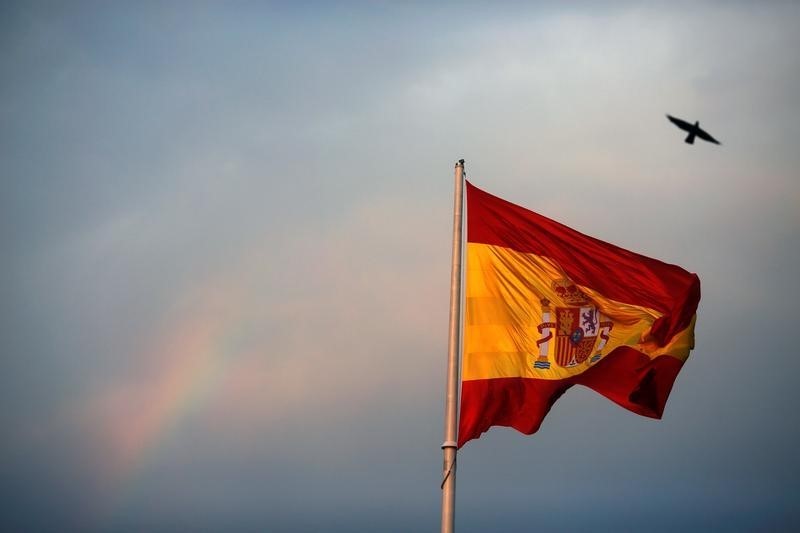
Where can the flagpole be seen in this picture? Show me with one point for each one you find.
(449, 447)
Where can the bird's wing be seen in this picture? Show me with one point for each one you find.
(703, 134)
(681, 123)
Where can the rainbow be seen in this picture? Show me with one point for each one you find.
(183, 369)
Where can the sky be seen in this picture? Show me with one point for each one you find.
(225, 233)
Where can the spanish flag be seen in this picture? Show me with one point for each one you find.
(547, 307)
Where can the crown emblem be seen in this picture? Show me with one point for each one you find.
(569, 293)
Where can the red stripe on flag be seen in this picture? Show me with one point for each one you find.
(625, 376)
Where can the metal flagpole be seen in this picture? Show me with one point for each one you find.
(449, 447)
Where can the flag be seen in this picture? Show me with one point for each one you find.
(547, 307)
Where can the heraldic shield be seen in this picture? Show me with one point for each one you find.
(580, 329)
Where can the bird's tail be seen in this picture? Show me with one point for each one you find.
(690, 138)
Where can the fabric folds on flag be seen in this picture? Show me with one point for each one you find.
(547, 307)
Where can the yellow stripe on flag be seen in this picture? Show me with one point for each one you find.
(515, 300)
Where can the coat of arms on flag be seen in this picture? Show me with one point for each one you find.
(581, 331)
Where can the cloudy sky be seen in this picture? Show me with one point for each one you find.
(225, 234)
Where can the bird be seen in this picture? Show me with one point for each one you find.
(694, 130)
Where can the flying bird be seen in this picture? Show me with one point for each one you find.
(694, 130)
